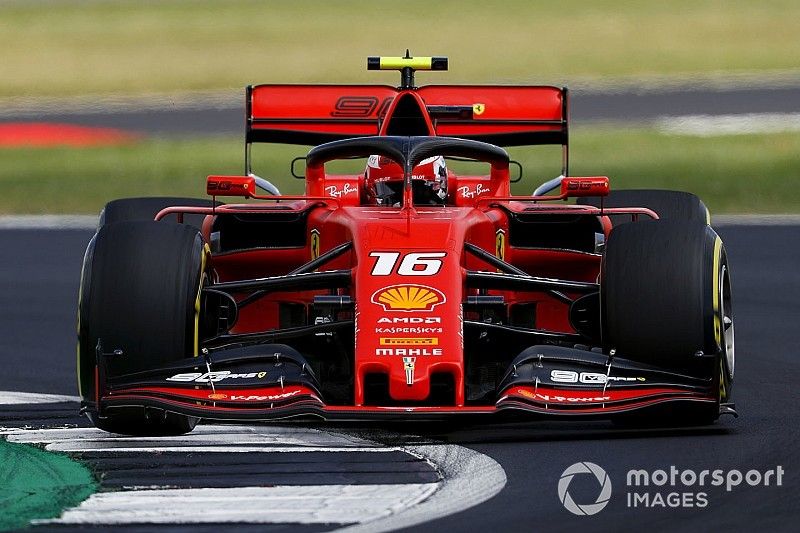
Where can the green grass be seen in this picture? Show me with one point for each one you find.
(36, 484)
(75, 47)
(744, 173)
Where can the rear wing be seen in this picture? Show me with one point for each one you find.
(315, 114)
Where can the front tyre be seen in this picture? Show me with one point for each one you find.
(140, 290)
(666, 299)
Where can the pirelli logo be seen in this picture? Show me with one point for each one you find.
(409, 341)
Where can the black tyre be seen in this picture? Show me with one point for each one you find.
(130, 209)
(669, 205)
(666, 295)
(139, 291)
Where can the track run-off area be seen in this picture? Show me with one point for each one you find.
(263, 474)
(464, 477)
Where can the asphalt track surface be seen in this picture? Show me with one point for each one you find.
(625, 106)
(39, 276)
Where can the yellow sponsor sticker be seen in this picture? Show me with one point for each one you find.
(414, 341)
(314, 244)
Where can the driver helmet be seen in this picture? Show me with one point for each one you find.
(384, 181)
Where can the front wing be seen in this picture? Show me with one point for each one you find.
(275, 382)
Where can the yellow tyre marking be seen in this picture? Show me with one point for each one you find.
(717, 266)
(723, 394)
(203, 258)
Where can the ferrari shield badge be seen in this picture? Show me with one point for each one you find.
(314, 244)
(408, 364)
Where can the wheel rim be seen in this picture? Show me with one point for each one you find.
(728, 336)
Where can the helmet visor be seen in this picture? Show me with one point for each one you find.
(391, 192)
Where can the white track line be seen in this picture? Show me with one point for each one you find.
(211, 439)
(19, 398)
(64, 447)
(86, 439)
(323, 504)
(738, 124)
(48, 222)
(755, 220)
(39, 107)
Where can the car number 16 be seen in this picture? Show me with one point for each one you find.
(413, 264)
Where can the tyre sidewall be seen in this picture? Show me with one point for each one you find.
(657, 291)
(139, 293)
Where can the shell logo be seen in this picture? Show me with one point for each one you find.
(408, 298)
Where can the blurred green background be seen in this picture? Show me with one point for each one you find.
(107, 49)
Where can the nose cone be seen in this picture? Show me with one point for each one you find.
(409, 287)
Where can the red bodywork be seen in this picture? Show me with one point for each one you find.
(415, 309)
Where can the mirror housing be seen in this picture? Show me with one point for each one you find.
(231, 186)
(584, 186)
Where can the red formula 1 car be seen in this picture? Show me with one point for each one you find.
(408, 289)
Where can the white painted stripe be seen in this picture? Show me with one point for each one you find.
(746, 123)
(469, 478)
(755, 220)
(205, 438)
(66, 447)
(37, 107)
(18, 398)
(52, 222)
(324, 504)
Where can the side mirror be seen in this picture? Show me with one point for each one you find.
(589, 186)
(231, 186)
